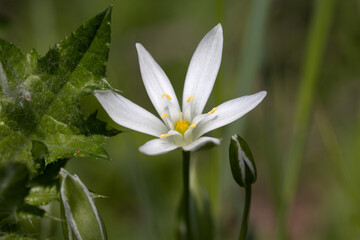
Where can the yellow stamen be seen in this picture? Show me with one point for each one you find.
(166, 95)
(212, 110)
(164, 135)
(192, 125)
(191, 97)
(165, 115)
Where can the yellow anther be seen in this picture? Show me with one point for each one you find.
(164, 135)
(190, 98)
(166, 95)
(165, 115)
(192, 125)
(213, 110)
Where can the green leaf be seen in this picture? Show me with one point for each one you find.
(45, 187)
(92, 125)
(40, 115)
(27, 210)
(39, 196)
(78, 207)
(13, 189)
(50, 174)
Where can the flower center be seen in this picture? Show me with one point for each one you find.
(181, 126)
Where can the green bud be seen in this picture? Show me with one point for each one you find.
(241, 161)
(78, 209)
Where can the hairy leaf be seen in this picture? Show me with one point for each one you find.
(40, 117)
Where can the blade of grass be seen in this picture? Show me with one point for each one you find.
(215, 164)
(342, 167)
(248, 66)
(272, 109)
(317, 38)
(335, 154)
(354, 163)
(356, 143)
(251, 52)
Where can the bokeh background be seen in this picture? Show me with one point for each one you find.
(305, 135)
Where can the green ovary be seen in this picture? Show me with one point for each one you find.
(181, 126)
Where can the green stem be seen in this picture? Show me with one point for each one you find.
(186, 182)
(245, 219)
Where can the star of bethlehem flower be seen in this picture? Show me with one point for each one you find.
(179, 128)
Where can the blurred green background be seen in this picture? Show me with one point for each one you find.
(305, 135)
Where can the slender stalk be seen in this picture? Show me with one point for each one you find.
(245, 219)
(186, 182)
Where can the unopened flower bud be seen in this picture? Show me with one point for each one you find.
(241, 161)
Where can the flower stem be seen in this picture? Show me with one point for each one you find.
(186, 182)
(244, 224)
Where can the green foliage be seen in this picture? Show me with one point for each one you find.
(78, 208)
(40, 195)
(13, 189)
(40, 116)
(14, 236)
(41, 122)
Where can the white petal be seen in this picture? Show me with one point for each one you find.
(157, 146)
(173, 110)
(203, 70)
(175, 138)
(201, 142)
(228, 112)
(156, 82)
(188, 136)
(128, 114)
(202, 117)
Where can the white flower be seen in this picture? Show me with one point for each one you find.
(179, 128)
